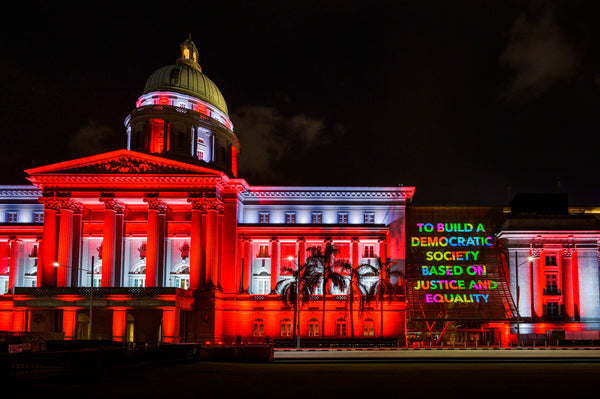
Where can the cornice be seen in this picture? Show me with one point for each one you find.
(19, 192)
(399, 194)
(185, 181)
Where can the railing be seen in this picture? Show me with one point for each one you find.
(98, 291)
(552, 291)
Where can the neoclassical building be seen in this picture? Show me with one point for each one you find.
(162, 241)
(175, 244)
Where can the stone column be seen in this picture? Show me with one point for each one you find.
(155, 206)
(47, 253)
(13, 267)
(302, 250)
(170, 325)
(230, 268)
(197, 250)
(109, 241)
(538, 281)
(274, 262)
(214, 206)
(65, 244)
(119, 324)
(248, 259)
(66, 270)
(567, 285)
(355, 248)
(69, 323)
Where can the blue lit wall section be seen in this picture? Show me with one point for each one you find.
(184, 101)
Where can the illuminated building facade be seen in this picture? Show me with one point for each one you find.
(179, 248)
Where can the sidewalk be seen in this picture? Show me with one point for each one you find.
(441, 354)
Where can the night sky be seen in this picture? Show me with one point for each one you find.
(471, 102)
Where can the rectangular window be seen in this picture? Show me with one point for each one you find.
(12, 216)
(263, 217)
(317, 218)
(552, 309)
(369, 217)
(263, 251)
(342, 218)
(38, 217)
(369, 251)
(551, 260)
(290, 217)
(552, 283)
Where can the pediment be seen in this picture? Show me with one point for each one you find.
(123, 162)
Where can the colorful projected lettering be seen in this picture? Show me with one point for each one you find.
(454, 272)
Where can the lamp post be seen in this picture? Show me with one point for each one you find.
(56, 264)
(518, 289)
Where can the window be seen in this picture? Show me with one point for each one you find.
(552, 309)
(552, 283)
(368, 327)
(343, 218)
(317, 218)
(263, 217)
(340, 327)
(551, 260)
(369, 217)
(313, 327)
(286, 327)
(38, 217)
(290, 217)
(258, 328)
(262, 283)
(263, 251)
(369, 251)
(157, 134)
(12, 216)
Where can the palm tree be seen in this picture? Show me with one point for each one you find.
(295, 291)
(383, 286)
(357, 288)
(323, 268)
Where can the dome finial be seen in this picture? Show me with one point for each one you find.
(189, 53)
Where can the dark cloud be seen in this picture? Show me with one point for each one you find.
(539, 54)
(270, 139)
(91, 139)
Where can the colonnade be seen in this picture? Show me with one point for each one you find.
(249, 249)
(211, 230)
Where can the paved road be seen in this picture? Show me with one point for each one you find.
(441, 355)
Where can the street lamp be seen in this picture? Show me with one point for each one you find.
(297, 326)
(518, 288)
(56, 264)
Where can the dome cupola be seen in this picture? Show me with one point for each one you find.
(182, 114)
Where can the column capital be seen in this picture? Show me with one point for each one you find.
(110, 202)
(56, 201)
(198, 203)
(155, 203)
(214, 204)
(536, 248)
(568, 249)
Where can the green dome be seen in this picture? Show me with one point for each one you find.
(186, 77)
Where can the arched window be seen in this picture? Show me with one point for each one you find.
(262, 283)
(258, 328)
(286, 327)
(340, 327)
(313, 327)
(368, 327)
